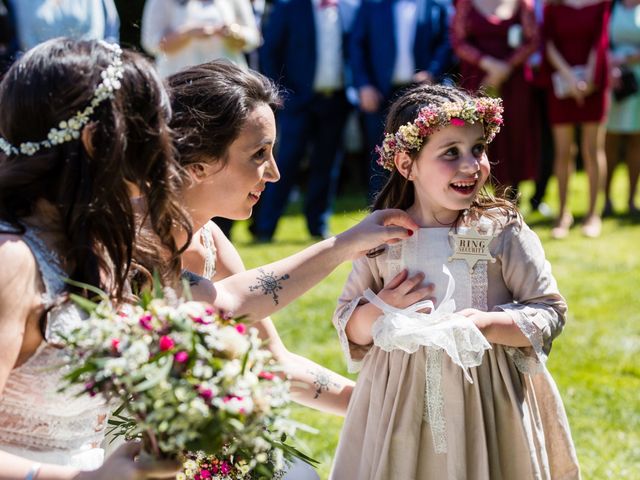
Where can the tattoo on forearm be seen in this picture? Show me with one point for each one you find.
(322, 382)
(269, 283)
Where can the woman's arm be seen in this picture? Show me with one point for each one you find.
(20, 294)
(262, 291)
(578, 88)
(530, 36)
(464, 49)
(121, 464)
(311, 384)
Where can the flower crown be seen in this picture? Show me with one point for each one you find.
(69, 130)
(430, 119)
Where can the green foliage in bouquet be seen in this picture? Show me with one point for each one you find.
(187, 379)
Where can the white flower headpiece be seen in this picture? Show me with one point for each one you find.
(69, 130)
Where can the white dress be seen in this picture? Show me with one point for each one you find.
(37, 421)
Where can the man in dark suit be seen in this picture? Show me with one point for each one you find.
(304, 52)
(393, 44)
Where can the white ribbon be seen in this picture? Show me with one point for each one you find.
(440, 330)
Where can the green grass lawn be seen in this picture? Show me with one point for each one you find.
(595, 362)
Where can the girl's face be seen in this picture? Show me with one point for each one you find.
(450, 170)
(233, 190)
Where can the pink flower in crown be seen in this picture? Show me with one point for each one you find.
(458, 122)
(166, 343)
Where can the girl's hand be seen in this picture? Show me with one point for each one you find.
(481, 319)
(124, 465)
(403, 291)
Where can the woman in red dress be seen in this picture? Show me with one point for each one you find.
(493, 39)
(577, 38)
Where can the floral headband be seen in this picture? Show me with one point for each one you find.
(70, 129)
(430, 119)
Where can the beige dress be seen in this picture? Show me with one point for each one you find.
(416, 415)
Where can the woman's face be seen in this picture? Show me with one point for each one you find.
(233, 190)
(449, 172)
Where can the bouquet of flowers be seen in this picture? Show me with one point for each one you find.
(188, 380)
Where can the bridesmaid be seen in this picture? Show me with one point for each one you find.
(577, 35)
(82, 124)
(493, 39)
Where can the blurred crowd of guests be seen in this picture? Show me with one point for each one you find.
(567, 70)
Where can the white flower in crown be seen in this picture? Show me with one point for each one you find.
(69, 130)
(29, 148)
(6, 147)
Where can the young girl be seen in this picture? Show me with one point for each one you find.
(444, 395)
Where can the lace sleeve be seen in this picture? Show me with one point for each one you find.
(538, 308)
(459, 28)
(363, 275)
(530, 34)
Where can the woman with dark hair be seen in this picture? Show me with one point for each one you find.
(83, 127)
(223, 122)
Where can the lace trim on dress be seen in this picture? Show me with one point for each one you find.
(434, 400)
(206, 235)
(527, 364)
(353, 366)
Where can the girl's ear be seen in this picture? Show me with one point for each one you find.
(196, 171)
(403, 164)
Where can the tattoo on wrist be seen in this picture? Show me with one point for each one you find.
(322, 382)
(269, 283)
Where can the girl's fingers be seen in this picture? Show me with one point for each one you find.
(397, 280)
(410, 284)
